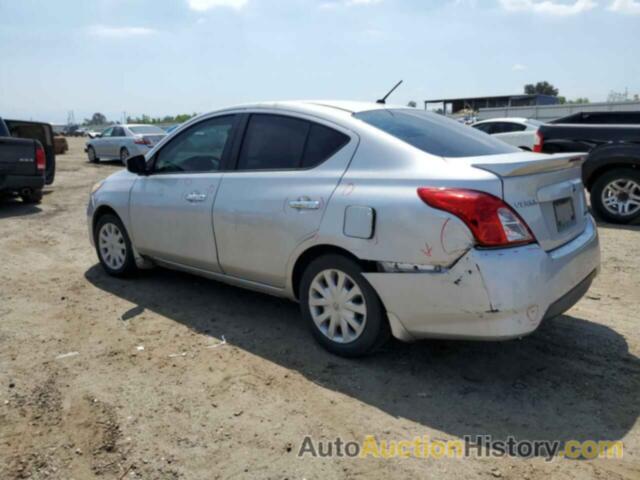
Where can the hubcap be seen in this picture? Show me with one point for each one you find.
(337, 306)
(621, 197)
(113, 249)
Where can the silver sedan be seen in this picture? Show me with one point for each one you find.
(378, 220)
(123, 141)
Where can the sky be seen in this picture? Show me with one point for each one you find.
(161, 57)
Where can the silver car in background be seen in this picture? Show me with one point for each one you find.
(378, 220)
(120, 142)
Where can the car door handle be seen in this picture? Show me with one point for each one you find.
(305, 203)
(195, 197)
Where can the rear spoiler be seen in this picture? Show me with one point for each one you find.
(536, 163)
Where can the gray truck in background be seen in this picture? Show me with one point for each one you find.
(27, 159)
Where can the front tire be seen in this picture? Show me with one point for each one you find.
(91, 155)
(124, 155)
(615, 196)
(113, 247)
(342, 309)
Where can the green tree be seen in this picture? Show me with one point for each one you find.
(543, 88)
(412, 104)
(96, 119)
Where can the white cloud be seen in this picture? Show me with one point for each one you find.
(119, 32)
(204, 5)
(347, 3)
(518, 67)
(549, 7)
(625, 6)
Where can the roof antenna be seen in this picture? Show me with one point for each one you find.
(383, 100)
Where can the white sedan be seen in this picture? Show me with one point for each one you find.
(519, 132)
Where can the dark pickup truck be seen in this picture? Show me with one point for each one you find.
(27, 158)
(611, 172)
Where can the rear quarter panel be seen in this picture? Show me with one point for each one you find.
(385, 175)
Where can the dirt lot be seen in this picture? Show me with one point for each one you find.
(147, 397)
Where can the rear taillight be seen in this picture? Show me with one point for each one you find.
(492, 222)
(41, 159)
(142, 141)
(537, 147)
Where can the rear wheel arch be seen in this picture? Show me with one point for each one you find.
(316, 251)
(607, 166)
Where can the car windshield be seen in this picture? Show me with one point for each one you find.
(434, 133)
(146, 129)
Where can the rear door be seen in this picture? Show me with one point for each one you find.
(515, 134)
(118, 139)
(171, 209)
(287, 168)
(43, 132)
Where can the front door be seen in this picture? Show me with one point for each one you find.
(287, 169)
(171, 209)
(101, 144)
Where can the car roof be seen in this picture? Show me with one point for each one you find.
(328, 106)
(504, 119)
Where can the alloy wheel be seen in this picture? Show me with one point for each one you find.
(621, 197)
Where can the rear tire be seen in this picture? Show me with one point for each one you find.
(91, 155)
(32, 196)
(341, 308)
(113, 247)
(615, 195)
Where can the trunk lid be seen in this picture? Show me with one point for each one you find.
(43, 132)
(152, 139)
(545, 190)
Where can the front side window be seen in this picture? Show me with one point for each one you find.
(484, 127)
(198, 149)
(433, 133)
(107, 132)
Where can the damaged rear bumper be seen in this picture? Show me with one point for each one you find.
(490, 294)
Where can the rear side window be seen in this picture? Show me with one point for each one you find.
(278, 142)
(434, 134)
(323, 142)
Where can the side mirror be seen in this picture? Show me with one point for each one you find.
(137, 165)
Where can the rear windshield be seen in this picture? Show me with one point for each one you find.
(434, 134)
(146, 129)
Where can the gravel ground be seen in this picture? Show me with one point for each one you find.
(110, 378)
